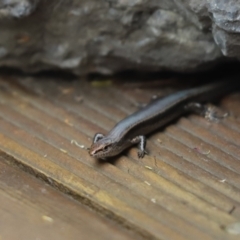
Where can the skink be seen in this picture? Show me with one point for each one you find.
(132, 129)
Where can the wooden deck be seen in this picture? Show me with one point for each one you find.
(187, 188)
(31, 209)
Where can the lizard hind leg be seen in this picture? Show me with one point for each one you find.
(210, 112)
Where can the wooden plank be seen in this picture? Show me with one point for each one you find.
(45, 129)
(31, 209)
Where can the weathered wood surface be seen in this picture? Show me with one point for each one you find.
(188, 187)
(31, 209)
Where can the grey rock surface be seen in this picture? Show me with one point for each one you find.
(108, 36)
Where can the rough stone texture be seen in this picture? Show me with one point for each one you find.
(17, 8)
(107, 36)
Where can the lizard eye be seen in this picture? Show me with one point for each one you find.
(105, 148)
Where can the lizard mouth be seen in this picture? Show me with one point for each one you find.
(94, 152)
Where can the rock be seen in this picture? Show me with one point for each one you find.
(16, 8)
(108, 36)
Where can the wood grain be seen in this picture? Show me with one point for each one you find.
(31, 209)
(186, 188)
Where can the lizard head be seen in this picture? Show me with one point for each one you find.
(102, 148)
